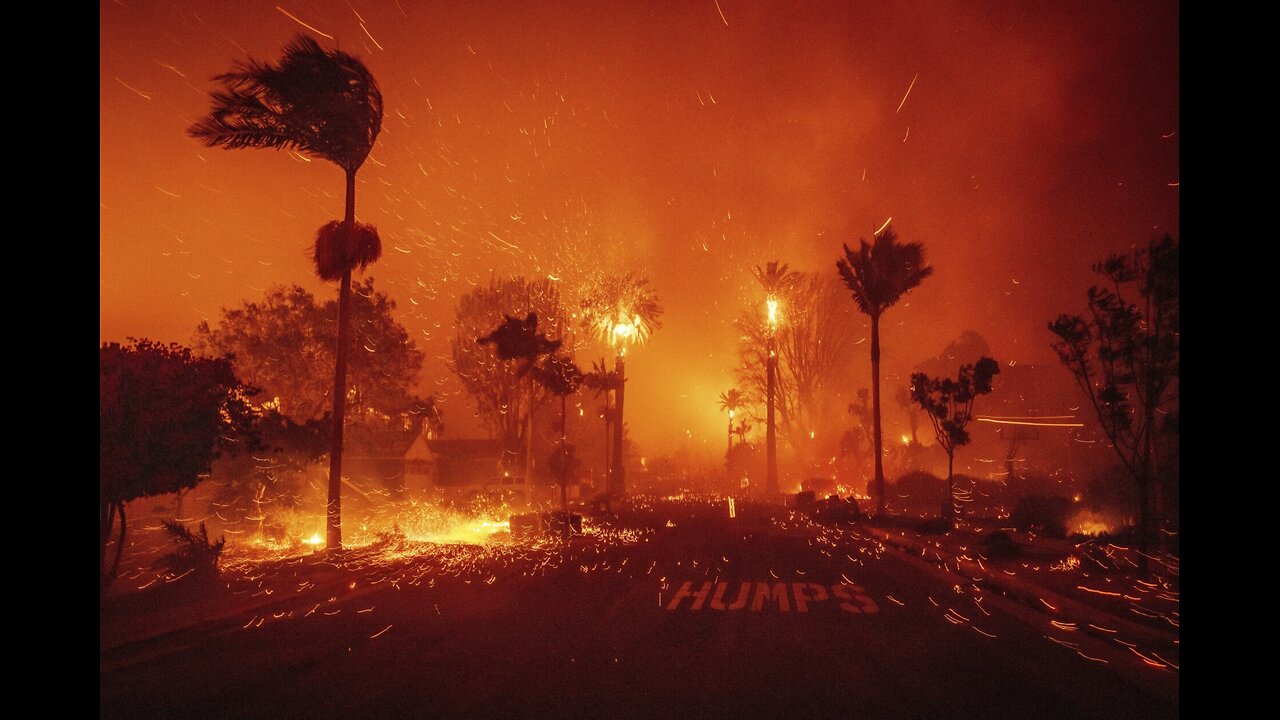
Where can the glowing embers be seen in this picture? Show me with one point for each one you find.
(772, 596)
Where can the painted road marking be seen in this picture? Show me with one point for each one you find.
(779, 596)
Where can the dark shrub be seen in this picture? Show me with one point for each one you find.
(933, 526)
(918, 490)
(194, 554)
(998, 545)
(1043, 515)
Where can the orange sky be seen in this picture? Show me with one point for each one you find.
(681, 140)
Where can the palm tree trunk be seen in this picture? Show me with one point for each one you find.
(564, 476)
(106, 518)
(771, 431)
(528, 441)
(333, 525)
(108, 578)
(617, 483)
(950, 506)
(875, 412)
(608, 427)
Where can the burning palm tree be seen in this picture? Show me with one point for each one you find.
(730, 401)
(620, 310)
(777, 281)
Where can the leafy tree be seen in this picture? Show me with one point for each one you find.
(1125, 357)
(499, 388)
(248, 485)
(903, 397)
(860, 439)
(277, 343)
(878, 275)
(949, 404)
(164, 415)
(519, 340)
(325, 104)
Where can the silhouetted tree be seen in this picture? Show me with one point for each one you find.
(949, 404)
(604, 381)
(164, 415)
(879, 275)
(561, 376)
(903, 397)
(1125, 357)
(620, 310)
(325, 104)
(519, 341)
(499, 388)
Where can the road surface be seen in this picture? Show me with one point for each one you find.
(690, 613)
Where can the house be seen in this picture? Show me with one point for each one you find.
(460, 468)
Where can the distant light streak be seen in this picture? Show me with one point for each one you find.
(366, 32)
(904, 97)
(353, 9)
(1024, 422)
(315, 30)
(169, 67)
(722, 17)
(885, 225)
(134, 89)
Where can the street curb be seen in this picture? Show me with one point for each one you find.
(1029, 594)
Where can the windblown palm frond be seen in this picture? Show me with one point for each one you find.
(319, 102)
(879, 274)
(777, 279)
(731, 400)
(611, 301)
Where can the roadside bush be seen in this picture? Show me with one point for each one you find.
(998, 545)
(933, 526)
(918, 490)
(194, 554)
(1046, 515)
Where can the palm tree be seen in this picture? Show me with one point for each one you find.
(730, 401)
(603, 381)
(325, 104)
(878, 275)
(778, 281)
(620, 310)
(561, 376)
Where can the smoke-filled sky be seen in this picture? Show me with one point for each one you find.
(689, 142)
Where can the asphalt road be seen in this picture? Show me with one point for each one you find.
(798, 621)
